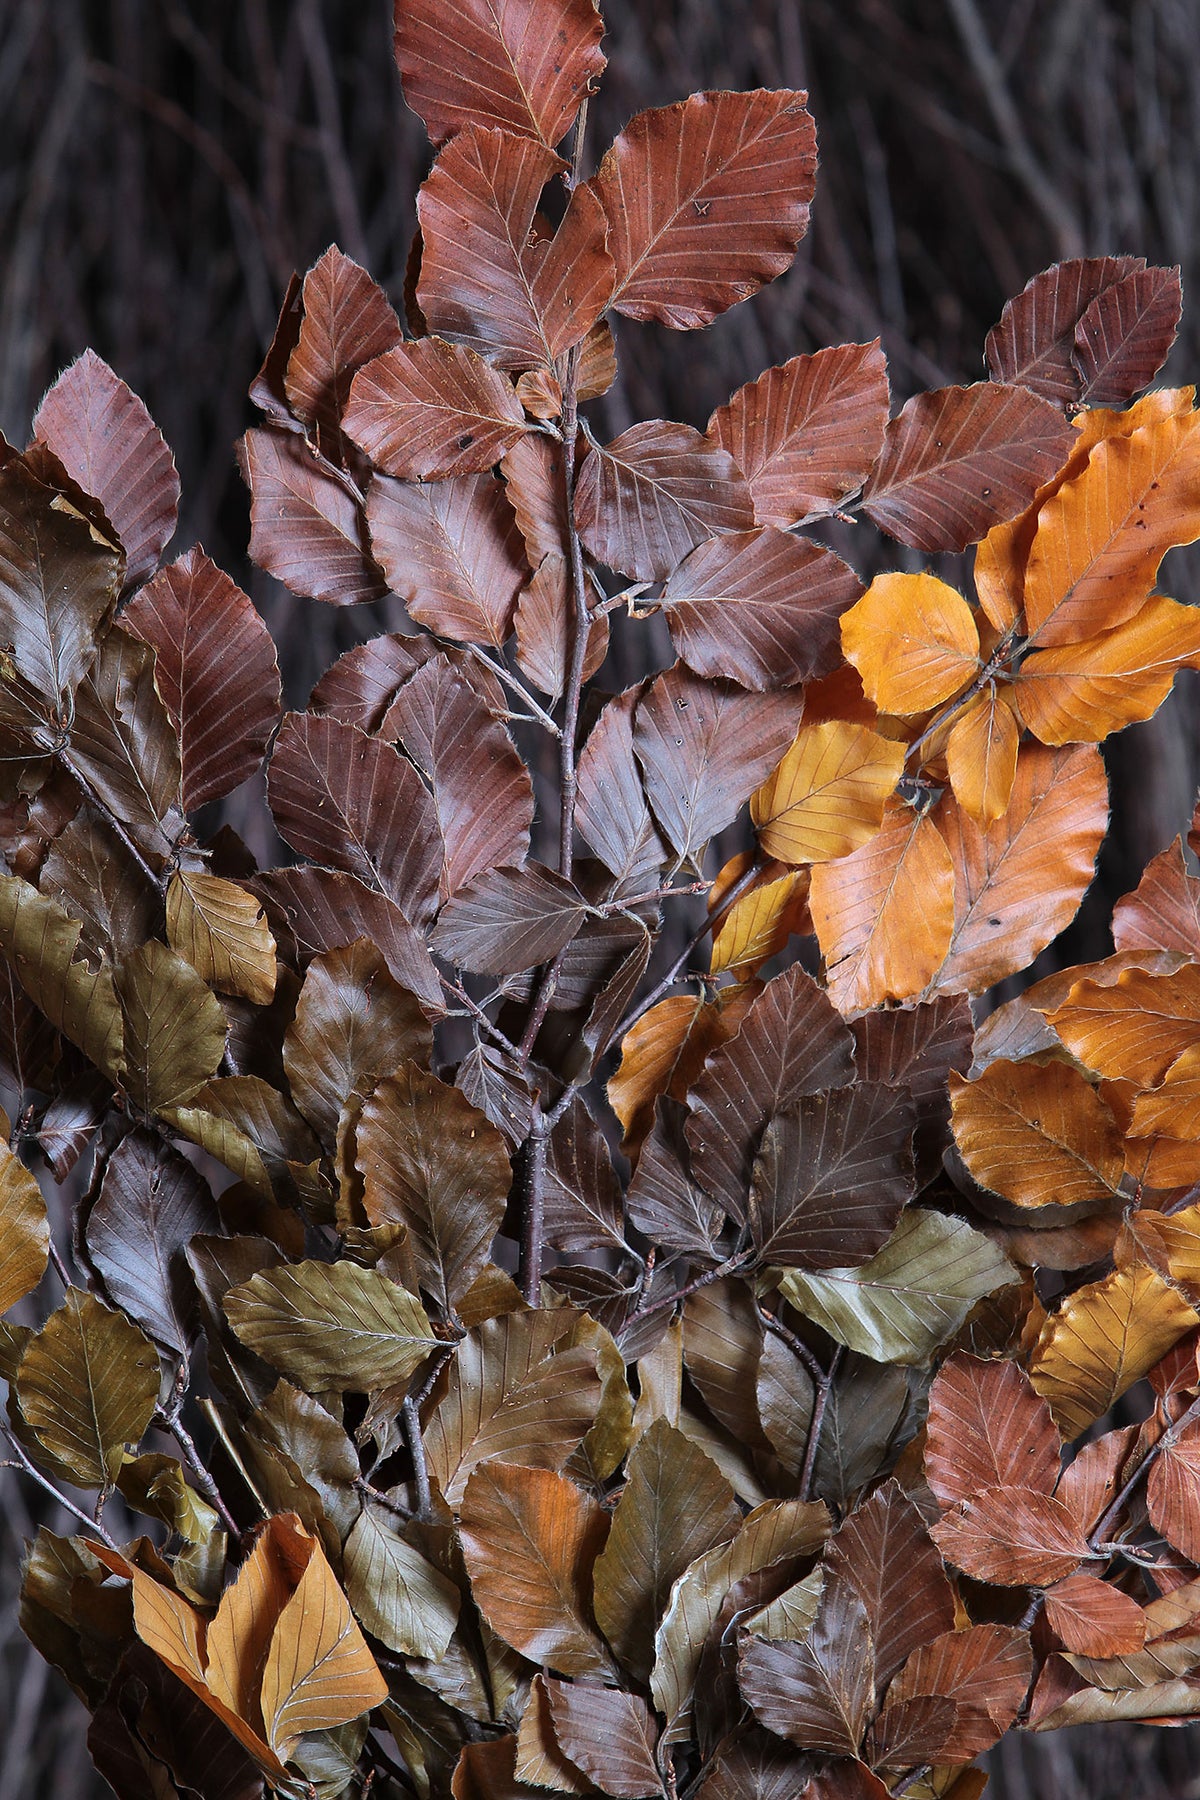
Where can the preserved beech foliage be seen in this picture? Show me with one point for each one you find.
(537, 1367)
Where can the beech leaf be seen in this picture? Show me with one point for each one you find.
(306, 526)
(222, 932)
(397, 1593)
(24, 1231)
(608, 1734)
(348, 320)
(817, 1692)
(427, 410)
(828, 795)
(913, 640)
(452, 552)
(332, 1325)
(654, 493)
(988, 1428)
(87, 1385)
(1013, 1536)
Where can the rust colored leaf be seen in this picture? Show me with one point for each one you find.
(790, 1043)
(360, 686)
(831, 1177)
(489, 277)
(1018, 882)
(884, 915)
(656, 492)
(1034, 343)
(1125, 336)
(761, 607)
(1093, 1618)
(706, 201)
(981, 757)
(348, 320)
(957, 460)
(1102, 1339)
(984, 1671)
(883, 1551)
(1082, 692)
(612, 810)
(452, 551)
(215, 668)
(704, 747)
(1133, 1028)
(1040, 1135)
(988, 1428)
(806, 433)
(430, 409)
(545, 625)
(306, 528)
(481, 788)
(1173, 1497)
(520, 64)
(533, 480)
(529, 1539)
(1163, 913)
(24, 1232)
(913, 640)
(817, 1692)
(1012, 1536)
(353, 802)
(829, 794)
(608, 1734)
(313, 910)
(509, 919)
(105, 439)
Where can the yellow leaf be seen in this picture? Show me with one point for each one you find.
(1177, 1243)
(828, 794)
(981, 757)
(1101, 537)
(1078, 693)
(884, 915)
(1102, 1339)
(913, 641)
(1039, 1135)
(319, 1672)
(759, 924)
(222, 931)
(665, 1051)
(24, 1231)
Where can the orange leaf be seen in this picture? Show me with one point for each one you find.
(884, 915)
(1019, 880)
(1163, 913)
(1012, 1536)
(1172, 1109)
(1135, 1028)
(319, 1672)
(1101, 537)
(1102, 1339)
(1093, 1618)
(1079, 692)
(984, 1670)
(240, 1633)
(1170, 1242)
(981, 757)
(1039, 1135)
(913, 641)
(665, 1051)
(828, 794)
(759, 924)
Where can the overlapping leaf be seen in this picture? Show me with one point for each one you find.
(452, 551)
(1039, 1135)
(348, 321)
(828, 795)
(656, 492)
(306, 525)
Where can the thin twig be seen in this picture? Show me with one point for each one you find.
(509, 680)
(35, 1474)
(1167, 1441)
(200, 1474)
(473, 1007)
(114, 823)
(820, 1402)
(581, 623)
(729, 1267)
(411, 1421)
(536, 1149)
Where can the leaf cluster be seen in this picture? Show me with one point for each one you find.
(539, 1369)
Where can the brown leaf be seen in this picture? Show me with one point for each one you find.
(957, 460)
(1132, 1028)
(1012, 1536)
(760, 607)
(525, 67)
(533, 470)
(915, 1048)
(1125, 335)
(656, 492)
(481, 788)
(1102, 1339)
(106, 440)
(807, 432)
(911, 1732)
(1082, 692)
(884, 1552)
(348, 320)
(790, 1043)
(87, 1385)
(24, 1232)
(1034, 343)
(583, 1194)
(984, 1670)
(1007, 904)
(222, 931)
(430, 409)
(706, 201)
(1040, 1135)
(509, 919)
(988, 1428)
(704, 747)
(351, 801)
(818, 1692)
(662, 1200)
(608, 1734)
(452, 552)
(529, 1538)
(306, 527)
(314, 910)
(41, 942)
(1163, 913)
(487, 1771)
(545, 625)
(831, 1177)
(489, 278)
(215, 668)
(1094, 1618)
(611, 808)
(318, 1671)
(360, 686)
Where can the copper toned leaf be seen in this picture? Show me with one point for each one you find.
(612, 810)
(884, 915)
(988, 1428)
(1163, 913)
(488, 1771)
(1125, 335)
(807, 432)
(664, 1052)
(831, 1177)
(1081, 692)
(704, 746)
(533, 480)
(1018, 882)
(215, 668)
(430, 409)
(818, 1692)
(608, 1734)
(828, 795)
(1134, 1027)
(489, 277)
(884, 1552)
(545, 626)
(1013, 1536)
(517, 64)
(656, 492)
(24, 1232)
(123, 743)
(760, 607)
(957, 460)
(529, 1538)
(222, 931)
(360, 686)
(1034, 342)
(107, 442)
(984, 1671)
(1094, 1618)
(306, 528)
(347, 321)
(1040, 1135)
(452, 552)
(509, 919)
(1173, 1495)
(981, 757)
(313, 910)
(913, 640)
(351, 801)
(706, 201)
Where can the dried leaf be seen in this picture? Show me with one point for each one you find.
(1034, 342)
(315, 910)
(1040, 1135)
(222, 931)
(608, 1734)
(654, 493)
(1082, 692)
(360, 686)
(758, 926)
(332, 1325)
(510, 919)
(174, 1028)
(124, 746)
(1163, 913)
(1132, 1028)
(1013, 1536)
(318, 1671)
(828, 795)
(984, 1671)
(306, 526)
(430, 409)
(40, 942)
(545, 625)
(818, 1692)
(87, 1385)
(1093, 1617)
(24, 1231)
(611, 810)
(348, 320)
(452, 552)
(988, 1428)
(883, 1551)
(1125, 335)
(913, 640)
(981, 757)
(397, 1593)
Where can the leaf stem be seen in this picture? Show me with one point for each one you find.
(1169, 1438)
(158, 882)
(729, 1267)
(581, 620)
(203, 1477)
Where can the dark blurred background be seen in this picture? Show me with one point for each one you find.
(166, 164)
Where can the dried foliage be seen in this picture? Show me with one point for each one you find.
(746, 1459)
